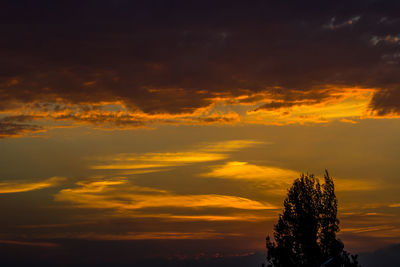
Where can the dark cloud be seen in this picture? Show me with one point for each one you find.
(386, 102)
(276, 105)
(9, 128)
(175, 56)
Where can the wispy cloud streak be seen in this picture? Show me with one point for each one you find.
(17, 187)
(120, 195)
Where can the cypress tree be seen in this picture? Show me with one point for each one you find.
(305, 234)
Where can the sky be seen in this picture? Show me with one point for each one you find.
(173, 129)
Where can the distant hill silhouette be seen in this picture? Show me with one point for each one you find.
(28, 256)
(384, 257)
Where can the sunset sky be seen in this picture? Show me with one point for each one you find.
(174, 128)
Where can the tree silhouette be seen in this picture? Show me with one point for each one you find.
(305, 234)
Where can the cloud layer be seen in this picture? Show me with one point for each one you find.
(176, 68)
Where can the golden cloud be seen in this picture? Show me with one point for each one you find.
(148, 162)
(161, 159)
(229, 146)
(121, 196)
(16, 187)
(127, 199)
(343, 104)
(245, 171)
(279, 178)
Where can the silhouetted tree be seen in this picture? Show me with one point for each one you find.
(305, 234)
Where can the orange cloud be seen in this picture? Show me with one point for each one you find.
(314, 106)
(340, 104)
(246, 171)
(228, 146)
(124, 199)
(17, 187)
(150, 162)
(102, 115)
(157, 160)
(278, 178)
(107, 194)
(157, 235)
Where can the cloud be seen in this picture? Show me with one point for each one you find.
(156, 236)
(150, 162)
(278, 178)
(377, 231)
(385, 102)
(382, 229)
(229, 146)
(348, 121)
(371, 223)
(339, 104)
(177, 69)
(157, 160)
(17, 187)
(102, 115)
(333, 25)
(245, 171)
(389, 39)
(129, 200)
(281, 107)
(213, 218)
(12, 129)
